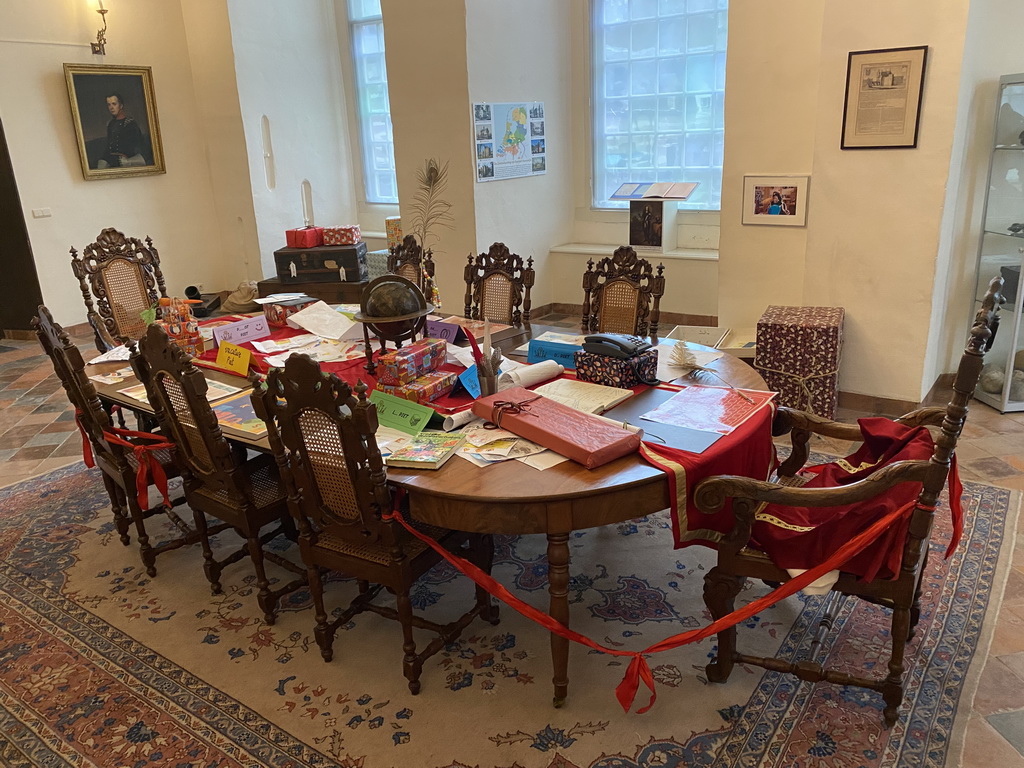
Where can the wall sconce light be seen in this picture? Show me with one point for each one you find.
(100, 46)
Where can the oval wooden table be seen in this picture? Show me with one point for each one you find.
(510, 498)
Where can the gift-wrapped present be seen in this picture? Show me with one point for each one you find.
(582, 437)
(401, 366)
(278, 312)
(342, 235)
(377, 263)
(798, 353)
(393, 228)
(424, 389)
(617, 371)
(304, 237)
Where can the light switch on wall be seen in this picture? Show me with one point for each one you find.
(41, 213)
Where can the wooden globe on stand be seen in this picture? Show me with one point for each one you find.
(392, 308)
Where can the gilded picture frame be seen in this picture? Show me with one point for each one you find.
(113, 109)
(884, 92)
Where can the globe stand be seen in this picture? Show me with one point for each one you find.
(392, 308)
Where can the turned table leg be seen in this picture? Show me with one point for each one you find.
(558, 589)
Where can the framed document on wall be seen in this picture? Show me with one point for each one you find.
(883, 98)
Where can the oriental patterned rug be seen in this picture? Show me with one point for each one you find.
(101, 665)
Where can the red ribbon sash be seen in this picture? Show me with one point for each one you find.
(145, 455)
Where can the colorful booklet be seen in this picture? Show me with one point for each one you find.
(237, 413)
(428, 450)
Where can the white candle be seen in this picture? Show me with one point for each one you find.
(101, 5)
(487, 338)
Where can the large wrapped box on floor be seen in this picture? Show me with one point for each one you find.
(323, 264)
(798, 354)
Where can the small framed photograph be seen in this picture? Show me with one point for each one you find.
(882, 109)
(114, 113)
(775, 200)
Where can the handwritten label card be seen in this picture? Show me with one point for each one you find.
(233, 358)
(244, 330)
(563, 354)
(471, 382)
(438, 329)
(403, 415)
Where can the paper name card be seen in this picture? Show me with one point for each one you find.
(233, 358)
(563, 354)
(397, 413)
(244, 330)
(471, 381)
(438, 329)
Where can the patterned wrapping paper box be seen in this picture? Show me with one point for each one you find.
(798, 354)
(277, 313)
(348, 235)
(393, 228)
(305, 237)
(401, 366)
(615, 372)
(423, 390)
(376, 263)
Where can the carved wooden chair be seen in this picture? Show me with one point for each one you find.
(740, 556)
(498, 286)
(124, 275)
(323, 436)
(117, 461)
(219, 481)
(409, 260)
(617, 295)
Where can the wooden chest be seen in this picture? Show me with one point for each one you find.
(322, 264)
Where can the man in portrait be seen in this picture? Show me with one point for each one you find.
(125, 142)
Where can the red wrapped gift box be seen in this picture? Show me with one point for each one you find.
(798, 353)
(277, 313)
(584, 438)
(305, 237)
(342, 235)
(424, 389)
(401, 366)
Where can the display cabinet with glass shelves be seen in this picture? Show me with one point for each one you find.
(1001, 251)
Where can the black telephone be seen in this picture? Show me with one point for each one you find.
(616, 345)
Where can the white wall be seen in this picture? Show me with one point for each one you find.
(288, 67)
(176, 209)
(534, 213)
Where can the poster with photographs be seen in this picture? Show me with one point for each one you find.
(509, 140)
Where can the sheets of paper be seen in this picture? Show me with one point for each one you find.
(667, 371)
(709, 409)
(320, 319)
(276, 346)
(484, 447)
(584, 395)
(322, 351)
(116, 355)
(115, 377)
(278, 297)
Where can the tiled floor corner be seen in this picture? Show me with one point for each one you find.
(38, 434)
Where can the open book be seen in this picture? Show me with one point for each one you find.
(584, 396)
(660, 190)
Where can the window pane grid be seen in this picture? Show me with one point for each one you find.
(659, 85)
(374, 108)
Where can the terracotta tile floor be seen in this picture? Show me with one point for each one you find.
(38, 434)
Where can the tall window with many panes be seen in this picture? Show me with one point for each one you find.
(659, 94)
(372, 94)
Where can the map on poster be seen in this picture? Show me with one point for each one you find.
(509, 140)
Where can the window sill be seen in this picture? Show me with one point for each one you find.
(598, 249)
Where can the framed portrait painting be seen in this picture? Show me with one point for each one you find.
(883, 98)
(775, 200)
(113, 109)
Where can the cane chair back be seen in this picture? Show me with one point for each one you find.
(409, 260)
(622, 295)
(177, 393)
(325, 432)
(498, 286)
(739, 558)
(124, 276)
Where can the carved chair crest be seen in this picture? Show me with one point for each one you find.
(618, 294)
(124, 275)
(498, 286)
(409, 260)
(322, 432)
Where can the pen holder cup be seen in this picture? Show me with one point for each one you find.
(488, 383)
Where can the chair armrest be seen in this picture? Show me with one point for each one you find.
(923, 417)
